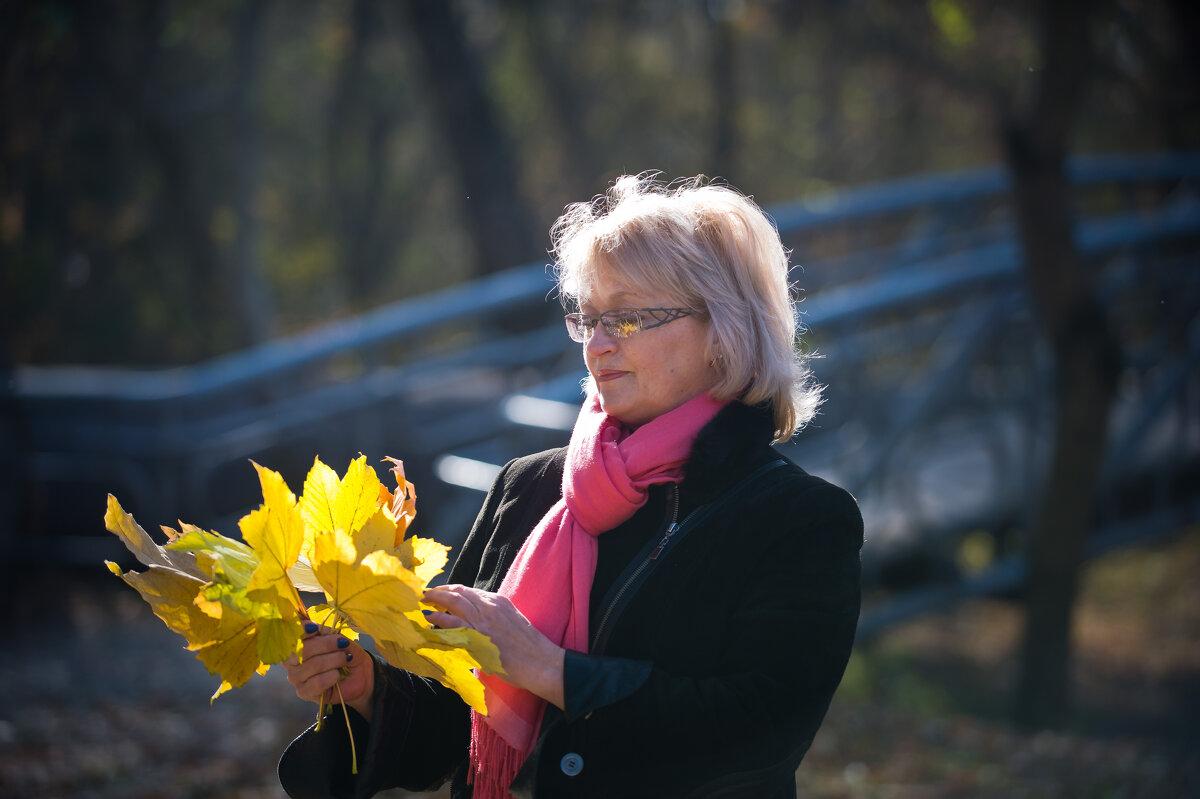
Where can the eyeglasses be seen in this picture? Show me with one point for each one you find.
(621, 322)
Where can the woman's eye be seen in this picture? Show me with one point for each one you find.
(621, 325)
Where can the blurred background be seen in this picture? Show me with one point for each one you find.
(246, 229)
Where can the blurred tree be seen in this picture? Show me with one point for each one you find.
(362, 115)
(118, 201)
(723, 74)
(1086, 355)
(254, 301)
(1037, 83)
(482, 156)
(551, 66)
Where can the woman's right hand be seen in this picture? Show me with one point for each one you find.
(317, 673)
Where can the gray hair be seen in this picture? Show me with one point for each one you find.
(715, 251)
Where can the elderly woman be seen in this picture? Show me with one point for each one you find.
(674, 602)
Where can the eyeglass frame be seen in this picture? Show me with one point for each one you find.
(588, 322)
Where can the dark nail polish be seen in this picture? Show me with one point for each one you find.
(343, 643)
(309, 627)
(349, 656)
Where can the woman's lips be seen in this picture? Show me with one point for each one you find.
(605, 375)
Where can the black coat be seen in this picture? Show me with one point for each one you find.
(709, 674)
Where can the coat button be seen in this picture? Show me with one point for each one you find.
(571, 764)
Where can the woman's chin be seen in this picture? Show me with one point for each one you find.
(616, 407)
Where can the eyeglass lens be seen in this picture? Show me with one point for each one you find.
(618, 324)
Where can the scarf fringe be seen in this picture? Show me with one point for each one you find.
(494, 764)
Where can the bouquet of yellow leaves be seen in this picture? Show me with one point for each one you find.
(238, 603)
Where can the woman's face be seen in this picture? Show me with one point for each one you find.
(650, 372)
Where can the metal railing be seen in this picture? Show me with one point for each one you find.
(937, 398)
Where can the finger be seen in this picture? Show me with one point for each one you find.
(446, 621)
(311, 628)
(456, 599)
(317, 674)
(310, 666)
(451, 590)
(318, 687)
(317, 654)
(324, 644)
(346, 682)
(333, 661)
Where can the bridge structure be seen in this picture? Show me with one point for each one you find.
(938, 398)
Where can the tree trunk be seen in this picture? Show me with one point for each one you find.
(723, 18)
(252, 298)
(565, 103)
(481, 155)
(1085, 358)
(362, 116)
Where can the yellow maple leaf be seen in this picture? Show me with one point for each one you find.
(402, 504)
(275, 531)
(139, 542)
(453, 668)
(448, 656)
(171, 596)
(224, 642)
(354, 504)
(273, 610)
(301, 576)
(229, 600)
(379, 594)
(371, 591)
(424, 556)
(358, 496)
(317, 500)
(232, 652)
(331, 503)
(377, 533)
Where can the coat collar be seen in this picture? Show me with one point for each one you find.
(736, 440)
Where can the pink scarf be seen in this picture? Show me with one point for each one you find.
(605, 480)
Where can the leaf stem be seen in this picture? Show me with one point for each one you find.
(349, 732)
(339, 625)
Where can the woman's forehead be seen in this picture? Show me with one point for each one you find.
(613, 290)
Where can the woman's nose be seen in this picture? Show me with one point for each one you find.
(599, 342)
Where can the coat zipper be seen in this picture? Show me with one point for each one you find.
(634, 578)
(674, 527)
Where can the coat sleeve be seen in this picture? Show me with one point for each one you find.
(742, 707)
(419, 740)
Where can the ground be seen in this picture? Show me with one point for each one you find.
(101, 701)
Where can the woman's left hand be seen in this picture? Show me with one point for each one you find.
(531, 660)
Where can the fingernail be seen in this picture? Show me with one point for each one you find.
(349, 656)
(309, 627)
(343, 643)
